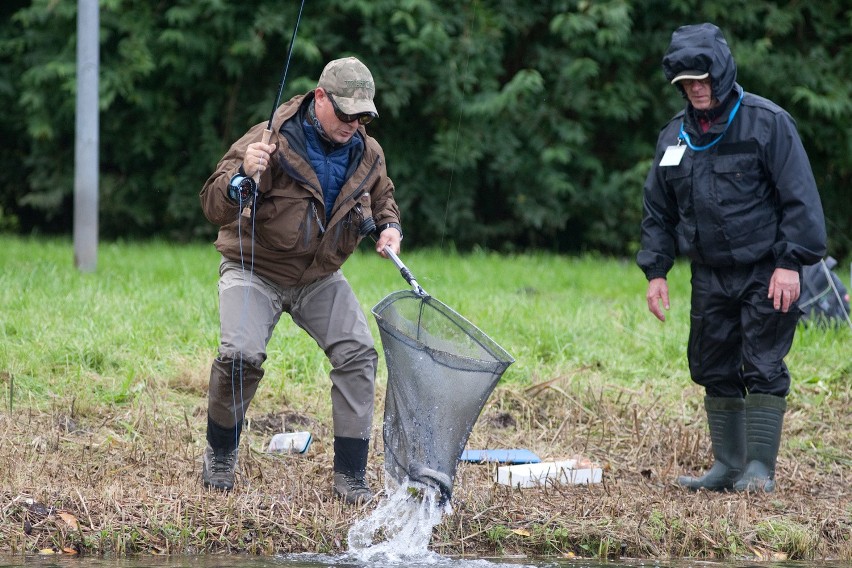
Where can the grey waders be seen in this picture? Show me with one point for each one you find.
(764, 419)
(232, 387)
(726, 418)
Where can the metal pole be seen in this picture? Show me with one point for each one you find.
(86, 141)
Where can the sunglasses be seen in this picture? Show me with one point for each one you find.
(362, 118)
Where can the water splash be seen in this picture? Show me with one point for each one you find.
(399, 530)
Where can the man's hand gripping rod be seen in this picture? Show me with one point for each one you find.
(267, 133)
(368, 228)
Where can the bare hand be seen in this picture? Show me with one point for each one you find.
(257, 158)
(390, 237)
(784, 288)
(658, 293)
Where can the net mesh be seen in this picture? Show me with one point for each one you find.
(441, 370)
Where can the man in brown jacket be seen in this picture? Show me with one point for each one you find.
(293, 204)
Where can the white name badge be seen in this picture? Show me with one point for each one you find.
(673, 155)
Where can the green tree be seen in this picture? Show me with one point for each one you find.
(507, 124)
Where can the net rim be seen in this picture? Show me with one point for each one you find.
(501, 356)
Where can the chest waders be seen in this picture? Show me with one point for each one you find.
(223, 434)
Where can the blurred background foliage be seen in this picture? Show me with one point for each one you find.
(508, 125)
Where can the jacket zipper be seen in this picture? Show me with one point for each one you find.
(319, 222)
(369, 175)
(351, 196)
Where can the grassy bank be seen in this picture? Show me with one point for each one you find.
(103, 378)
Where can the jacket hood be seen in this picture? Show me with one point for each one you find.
(701, 47)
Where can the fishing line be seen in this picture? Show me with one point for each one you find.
(458, 135)
(249, 212)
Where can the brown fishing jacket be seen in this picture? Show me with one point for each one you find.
(293, 245)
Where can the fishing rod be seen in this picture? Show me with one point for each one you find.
(267, 133)
(249, 198)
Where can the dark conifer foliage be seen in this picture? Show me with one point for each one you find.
(508, 125)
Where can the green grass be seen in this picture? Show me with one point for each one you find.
(148, 317)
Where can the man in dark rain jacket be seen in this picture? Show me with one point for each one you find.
(731, 188)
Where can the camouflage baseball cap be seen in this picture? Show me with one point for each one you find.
(351, 84)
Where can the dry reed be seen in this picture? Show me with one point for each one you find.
(126, 481)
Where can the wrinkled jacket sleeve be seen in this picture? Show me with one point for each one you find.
(385, 209)
(659, 219)
(215, 204)
(801, 233)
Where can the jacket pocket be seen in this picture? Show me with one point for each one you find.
(738, 181)
(679, 180)
(283, 220)
(685, 236)
(348, 233)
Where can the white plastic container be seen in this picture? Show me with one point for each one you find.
(290, 442)
(538, 474)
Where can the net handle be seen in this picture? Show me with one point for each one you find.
(406, 273)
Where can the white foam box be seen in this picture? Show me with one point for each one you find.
(538, 474)
(290, 442)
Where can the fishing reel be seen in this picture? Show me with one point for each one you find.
(241, 188)
(368, 227)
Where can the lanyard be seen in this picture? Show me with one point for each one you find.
(685, 137)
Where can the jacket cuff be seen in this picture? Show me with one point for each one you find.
(396, 226)
(789, 264)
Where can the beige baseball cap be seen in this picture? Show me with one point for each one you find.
(351, 84)
(693, 74)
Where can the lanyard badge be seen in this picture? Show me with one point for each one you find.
(674, 154)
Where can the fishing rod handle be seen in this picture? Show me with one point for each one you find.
(267, 136)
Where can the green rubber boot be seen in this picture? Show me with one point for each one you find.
(726, 418)
(764, 419)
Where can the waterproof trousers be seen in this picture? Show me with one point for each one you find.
(737, 339)
(250, 307)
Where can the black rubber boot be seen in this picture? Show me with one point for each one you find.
(764, 420)
(726, 418)
(350, 470)
(218, 470)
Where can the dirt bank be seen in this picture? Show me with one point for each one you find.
(125, 480)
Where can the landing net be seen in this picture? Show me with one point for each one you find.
(441, 370)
